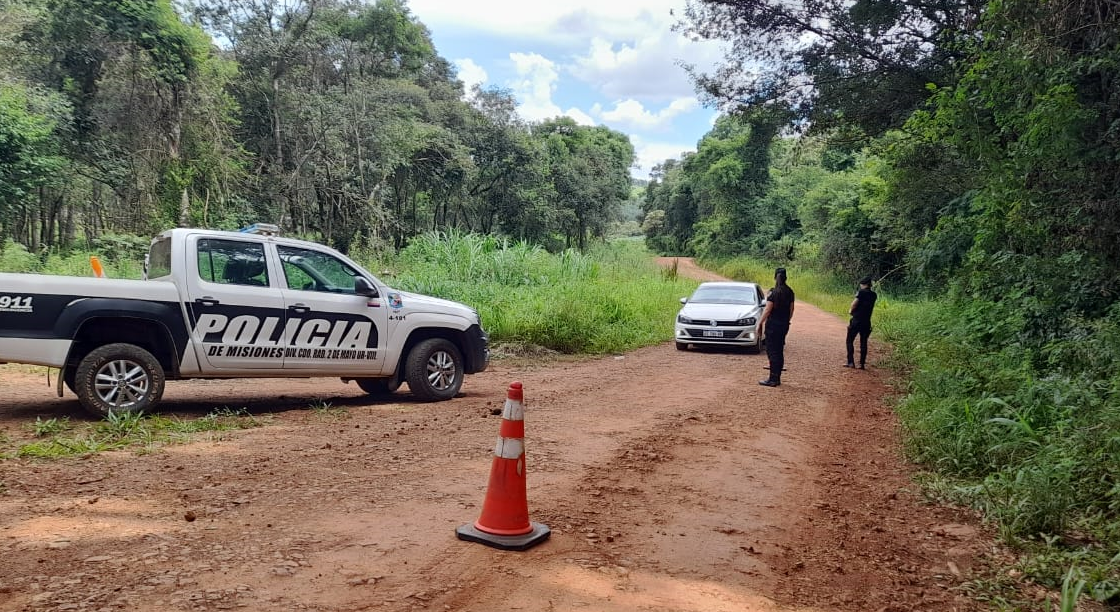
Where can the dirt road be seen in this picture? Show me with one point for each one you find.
(671, 481)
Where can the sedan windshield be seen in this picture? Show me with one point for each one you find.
(723, 295)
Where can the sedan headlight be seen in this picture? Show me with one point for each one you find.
(684, 320)
(746, 322)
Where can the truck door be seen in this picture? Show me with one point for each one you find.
(236, 306)
(331, 329)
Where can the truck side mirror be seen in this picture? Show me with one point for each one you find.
(364, 287)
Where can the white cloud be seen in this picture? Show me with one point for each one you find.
(649, 154)
(649, 66)
(551, 22)
(535, 83)
(633, 50)
(633, 114)
(470, 73)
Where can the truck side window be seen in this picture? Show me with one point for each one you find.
(230, 262)
(308, 270)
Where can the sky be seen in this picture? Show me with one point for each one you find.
(601, 62)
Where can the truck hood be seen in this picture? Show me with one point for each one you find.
(416, 302)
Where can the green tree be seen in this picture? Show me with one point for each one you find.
(29, 158)
(864, 63)
(589, 169)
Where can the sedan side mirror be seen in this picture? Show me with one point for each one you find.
(364, 287)
(684, 300)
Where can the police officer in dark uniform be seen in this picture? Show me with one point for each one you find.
(860, 323)
(775, 320)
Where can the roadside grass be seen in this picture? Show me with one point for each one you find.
(829, 293)
(1027, 433)
(323, 409)
(611, 299)
(59, 438)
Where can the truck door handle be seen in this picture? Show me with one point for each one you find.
(299, 308)
(207, 301)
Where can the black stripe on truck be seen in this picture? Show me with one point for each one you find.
(60, 317)
(167, 314)
(31, 315)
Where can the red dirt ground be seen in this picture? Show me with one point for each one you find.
(671, 481)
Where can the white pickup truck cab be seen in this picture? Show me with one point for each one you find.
(219, 304)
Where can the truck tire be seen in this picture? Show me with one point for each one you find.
(434, 370)
(378, 386)
(119, 378)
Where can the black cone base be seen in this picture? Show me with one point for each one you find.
(539, 534)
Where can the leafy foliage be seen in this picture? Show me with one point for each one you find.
(334, 118)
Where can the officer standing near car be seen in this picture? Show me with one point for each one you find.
(775, 321)
(860, 324)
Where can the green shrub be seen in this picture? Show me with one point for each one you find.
(612, 298)
(14, 257)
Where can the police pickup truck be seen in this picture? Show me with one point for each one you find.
(217, 304)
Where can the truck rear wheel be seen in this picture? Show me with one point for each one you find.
(434, 370)
(119, 378)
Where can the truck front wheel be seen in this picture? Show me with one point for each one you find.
(434, 370)
(118, 378)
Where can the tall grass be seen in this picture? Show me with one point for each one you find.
(613, 298)
(1026, 432)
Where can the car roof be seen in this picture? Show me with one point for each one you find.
(727, 284)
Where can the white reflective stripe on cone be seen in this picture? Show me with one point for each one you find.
(513, 411)
(509, 448)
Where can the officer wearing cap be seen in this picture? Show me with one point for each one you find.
(860, 323)
(775, 321)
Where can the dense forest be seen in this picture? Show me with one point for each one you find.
(911, 139)
(336, 119)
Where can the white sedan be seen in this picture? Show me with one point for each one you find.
(721, 313)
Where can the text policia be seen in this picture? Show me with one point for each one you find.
(251, 336)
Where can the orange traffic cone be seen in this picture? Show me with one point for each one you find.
(95, 263)
(504, 522)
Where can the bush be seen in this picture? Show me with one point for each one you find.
(611, 299)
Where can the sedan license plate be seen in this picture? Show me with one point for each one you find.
(713, 333)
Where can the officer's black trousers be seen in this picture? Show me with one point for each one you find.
(863, 330)
(776, 348)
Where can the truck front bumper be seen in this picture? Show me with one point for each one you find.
(477, 354)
